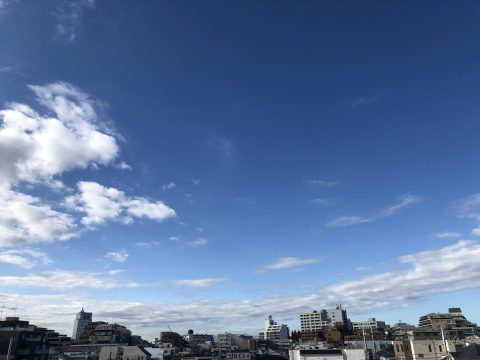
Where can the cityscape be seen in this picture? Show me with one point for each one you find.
(324, 334)
(239, 180)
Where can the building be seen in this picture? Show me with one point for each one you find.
(428, 344)
(129, 353)
(319, 320)
(198, 338)
(453, 320)
(227, 341)
(371, 325)
(82, 320)
(24, 340)
(328, 354)
(313, 321)
(274, 331)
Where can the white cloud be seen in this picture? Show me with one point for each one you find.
(198, 283)
(170, 186)
(469, 207)
(26, 258)
(224, 146)
(288, 263)
(25, 219)
(403, 202)
(35, 147)
(69, 15)
(101, 204)
(320, 183)
(476, 231)
(118, 256)
(425, 274)
(447, 235)
(124, 166)
(451, 268)
(320, 201)
(364, 101)
(197, 242)
(347, 221)
(65, 280)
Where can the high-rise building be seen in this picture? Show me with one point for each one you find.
(318, 320)
(274, 331)
(82, 319)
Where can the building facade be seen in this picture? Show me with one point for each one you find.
(82, 320)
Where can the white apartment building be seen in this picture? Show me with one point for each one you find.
(370, 324)
(274, 331)
(313, 321)
(318, 320)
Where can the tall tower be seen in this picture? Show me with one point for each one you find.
(82, 319)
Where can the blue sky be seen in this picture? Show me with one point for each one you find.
(204, 164)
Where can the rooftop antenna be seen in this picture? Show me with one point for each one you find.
(1, 313)
(15, 310)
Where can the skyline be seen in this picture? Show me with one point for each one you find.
(203, 164)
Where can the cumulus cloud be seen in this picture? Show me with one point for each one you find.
(37, 147)
(65, 280)
(117, 256)
(101, 204)
(69, 14)
(25, 258)
(25, 219)
(426, 273)
(403, 202)
(288, 263)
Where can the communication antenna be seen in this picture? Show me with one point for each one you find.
(15, 310)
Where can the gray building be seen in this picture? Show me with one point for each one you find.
(82, 320)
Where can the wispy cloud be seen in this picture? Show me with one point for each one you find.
(65, 280)
(69, 14)
(320, 183)
(288, 263)
(468, 207)
(170, 186)
(340, 221)
(320, 201)
(198, 283)
(364, 101)
(403, 202)
(124, 166)
(117, 256)
(476, 231)
(195, 243)
(25, 258)
(224, 146)
(424, 274)
(447, 235)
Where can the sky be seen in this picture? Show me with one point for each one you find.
(203, 164)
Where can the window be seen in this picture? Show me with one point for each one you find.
(440, 348)
(398, 349)
(430, 348)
